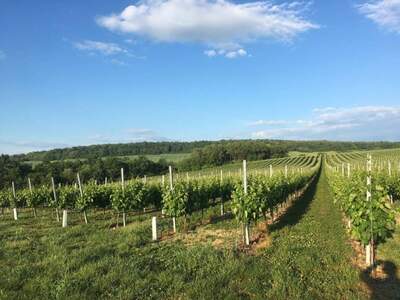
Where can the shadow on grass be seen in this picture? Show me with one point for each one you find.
(295, 212)
(215, 219)
(384, 286)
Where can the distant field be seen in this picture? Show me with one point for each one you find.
(173, 157)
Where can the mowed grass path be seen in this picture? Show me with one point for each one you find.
(309, 258)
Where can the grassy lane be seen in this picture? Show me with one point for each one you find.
(308, 259)
(312, 258)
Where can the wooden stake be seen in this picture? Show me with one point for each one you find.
(369, 249)
(65, 218)
(246, 226)
(15, 213)
(122, 179)
(81, 193)
(154, 228)
(15, 201)
(55, 198)
(245, 176)
(30, 191)
(170, 178)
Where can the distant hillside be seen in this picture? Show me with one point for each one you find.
(155, 148)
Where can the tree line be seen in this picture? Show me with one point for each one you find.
(94, 162)
(64, 171)
(145, 148)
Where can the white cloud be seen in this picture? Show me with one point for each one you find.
(386, 13)
(17, 147)
(228, 54)
(2, 55)
(117, 62)
(141, 131)
(236, 53)
(100, 47)
(210, 53)
(267, 122)
(129, 135)
(357, 123)
(219, 24)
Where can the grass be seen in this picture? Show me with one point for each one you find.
(308, 257)
(171, 157)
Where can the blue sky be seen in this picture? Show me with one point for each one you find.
(89, 72)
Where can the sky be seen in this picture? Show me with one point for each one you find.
(99, 71)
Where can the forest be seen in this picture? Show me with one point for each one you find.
(143, 148)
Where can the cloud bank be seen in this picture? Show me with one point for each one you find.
(358, 123)
(100, 47)
(218, 24)
(17, 147)
(385, 13)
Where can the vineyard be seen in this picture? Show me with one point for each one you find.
(250, 226)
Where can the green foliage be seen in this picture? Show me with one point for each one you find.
(264, 194)
(152, 196)
(373, 219)
(5, 196)
(39, 196)
(67, 197)
(119, 199)
(175, 201)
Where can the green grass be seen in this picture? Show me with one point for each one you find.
(172, 157)
(309, 257)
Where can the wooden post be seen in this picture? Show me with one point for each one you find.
(174, 224)
(79, 185)
(31, 193)
(145, 179)
(270, 171)
(245, 176)
(343, 169)
(55, 198)
(123, 191)
(369, 249)
(15, 201)
(390, 168)
(105, 181)
(170, 178)
(171, 186)
(81, 193)
(286, 169)
(154, 228)
(65, 218)
(348, 170)
(122, 179)
(246, 226)
(222, 201)
(187, 176)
